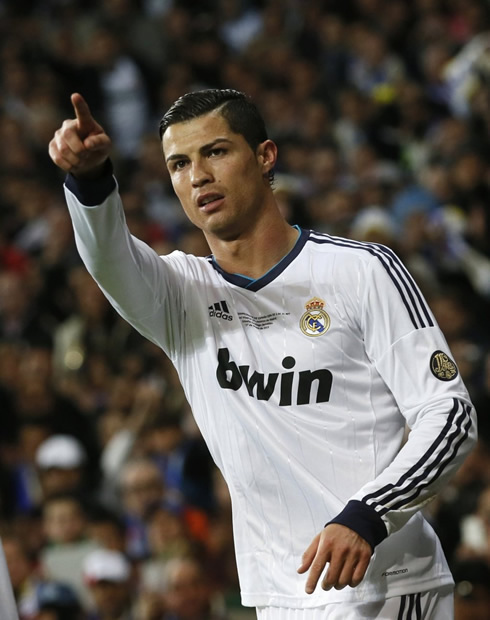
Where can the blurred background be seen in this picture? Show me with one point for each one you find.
(110, 507)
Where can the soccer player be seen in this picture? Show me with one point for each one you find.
(303, 356)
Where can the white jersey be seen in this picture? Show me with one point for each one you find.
(301, 383)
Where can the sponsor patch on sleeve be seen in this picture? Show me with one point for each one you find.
(442, 366)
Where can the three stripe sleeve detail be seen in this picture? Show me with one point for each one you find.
(429, 467)
(412, 299)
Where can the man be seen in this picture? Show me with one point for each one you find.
(188, 594)
(142, 489)
(109, 577)
(302, 355)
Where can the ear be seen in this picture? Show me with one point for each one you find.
(267, 156)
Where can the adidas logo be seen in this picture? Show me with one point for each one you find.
(220, 311)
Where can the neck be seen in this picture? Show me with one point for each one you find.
(257, 250)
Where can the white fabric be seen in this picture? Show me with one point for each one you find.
(8, 608)
(243, 356)
(432, 605)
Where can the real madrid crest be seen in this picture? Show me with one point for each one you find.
(315, 321)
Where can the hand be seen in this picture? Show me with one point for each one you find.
(81, 145)
(347, 553)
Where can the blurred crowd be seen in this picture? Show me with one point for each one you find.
(110, 508)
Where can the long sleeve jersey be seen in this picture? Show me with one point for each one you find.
(302, 383)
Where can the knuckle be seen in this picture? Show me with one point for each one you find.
(327, 584)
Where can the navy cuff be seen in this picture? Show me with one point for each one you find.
(363, 520)
(92, 192)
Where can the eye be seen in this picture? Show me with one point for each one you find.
(215, 152)
(179, 164)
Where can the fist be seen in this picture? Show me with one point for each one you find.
(80, 146)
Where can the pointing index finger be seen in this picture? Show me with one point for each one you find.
(82, 112)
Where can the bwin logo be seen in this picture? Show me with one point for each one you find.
(262, 387)
(220, 311)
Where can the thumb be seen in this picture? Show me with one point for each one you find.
(85, 120)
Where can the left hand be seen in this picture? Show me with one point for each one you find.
(347, 553)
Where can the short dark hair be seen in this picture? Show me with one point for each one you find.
(237, 108)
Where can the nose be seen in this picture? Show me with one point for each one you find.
(200, 173)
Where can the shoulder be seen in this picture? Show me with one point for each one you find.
(345, 247)
(177, 258)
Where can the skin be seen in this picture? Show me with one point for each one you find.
(243, 226)
(246, 233)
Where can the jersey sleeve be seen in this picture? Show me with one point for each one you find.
(411, 355)
(134, 278)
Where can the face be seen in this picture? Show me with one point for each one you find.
(111, 598)
(165, 531)
(55, 480)
(221, 183)
(188, 594)
(143, 488)
(63, 521)
(107, 535)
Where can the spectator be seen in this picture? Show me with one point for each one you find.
(168, 538)
(188, 594)
(67, 545)
(124, 93)
(142, 490)
(106, 528)
(184, 461)
(57, 601)
(109, 577)
(61, 461)
(390, 110)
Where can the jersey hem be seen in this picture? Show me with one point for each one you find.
(341, 596)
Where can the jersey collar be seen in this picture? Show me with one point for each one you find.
(255, 285)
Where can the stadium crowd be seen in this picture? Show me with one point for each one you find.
(110, 508)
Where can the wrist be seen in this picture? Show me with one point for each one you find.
(92, 190)
(363, 520)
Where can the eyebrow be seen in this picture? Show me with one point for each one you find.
(203, 149)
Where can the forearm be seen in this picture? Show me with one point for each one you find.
(436, 448)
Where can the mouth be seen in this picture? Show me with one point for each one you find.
(208, 202)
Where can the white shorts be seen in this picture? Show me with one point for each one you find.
(431, 605)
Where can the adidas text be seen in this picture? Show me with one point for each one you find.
(220, 310)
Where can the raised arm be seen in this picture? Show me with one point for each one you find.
(130, 273)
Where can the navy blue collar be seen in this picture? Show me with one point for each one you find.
(255, 285)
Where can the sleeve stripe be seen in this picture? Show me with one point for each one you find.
(442, 466)
(411, 283)
(412, 299)
(430, 465)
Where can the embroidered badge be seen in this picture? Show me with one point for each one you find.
(442, 366)
(315, 321)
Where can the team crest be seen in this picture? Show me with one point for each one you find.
(315, 321)
(442, 366)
